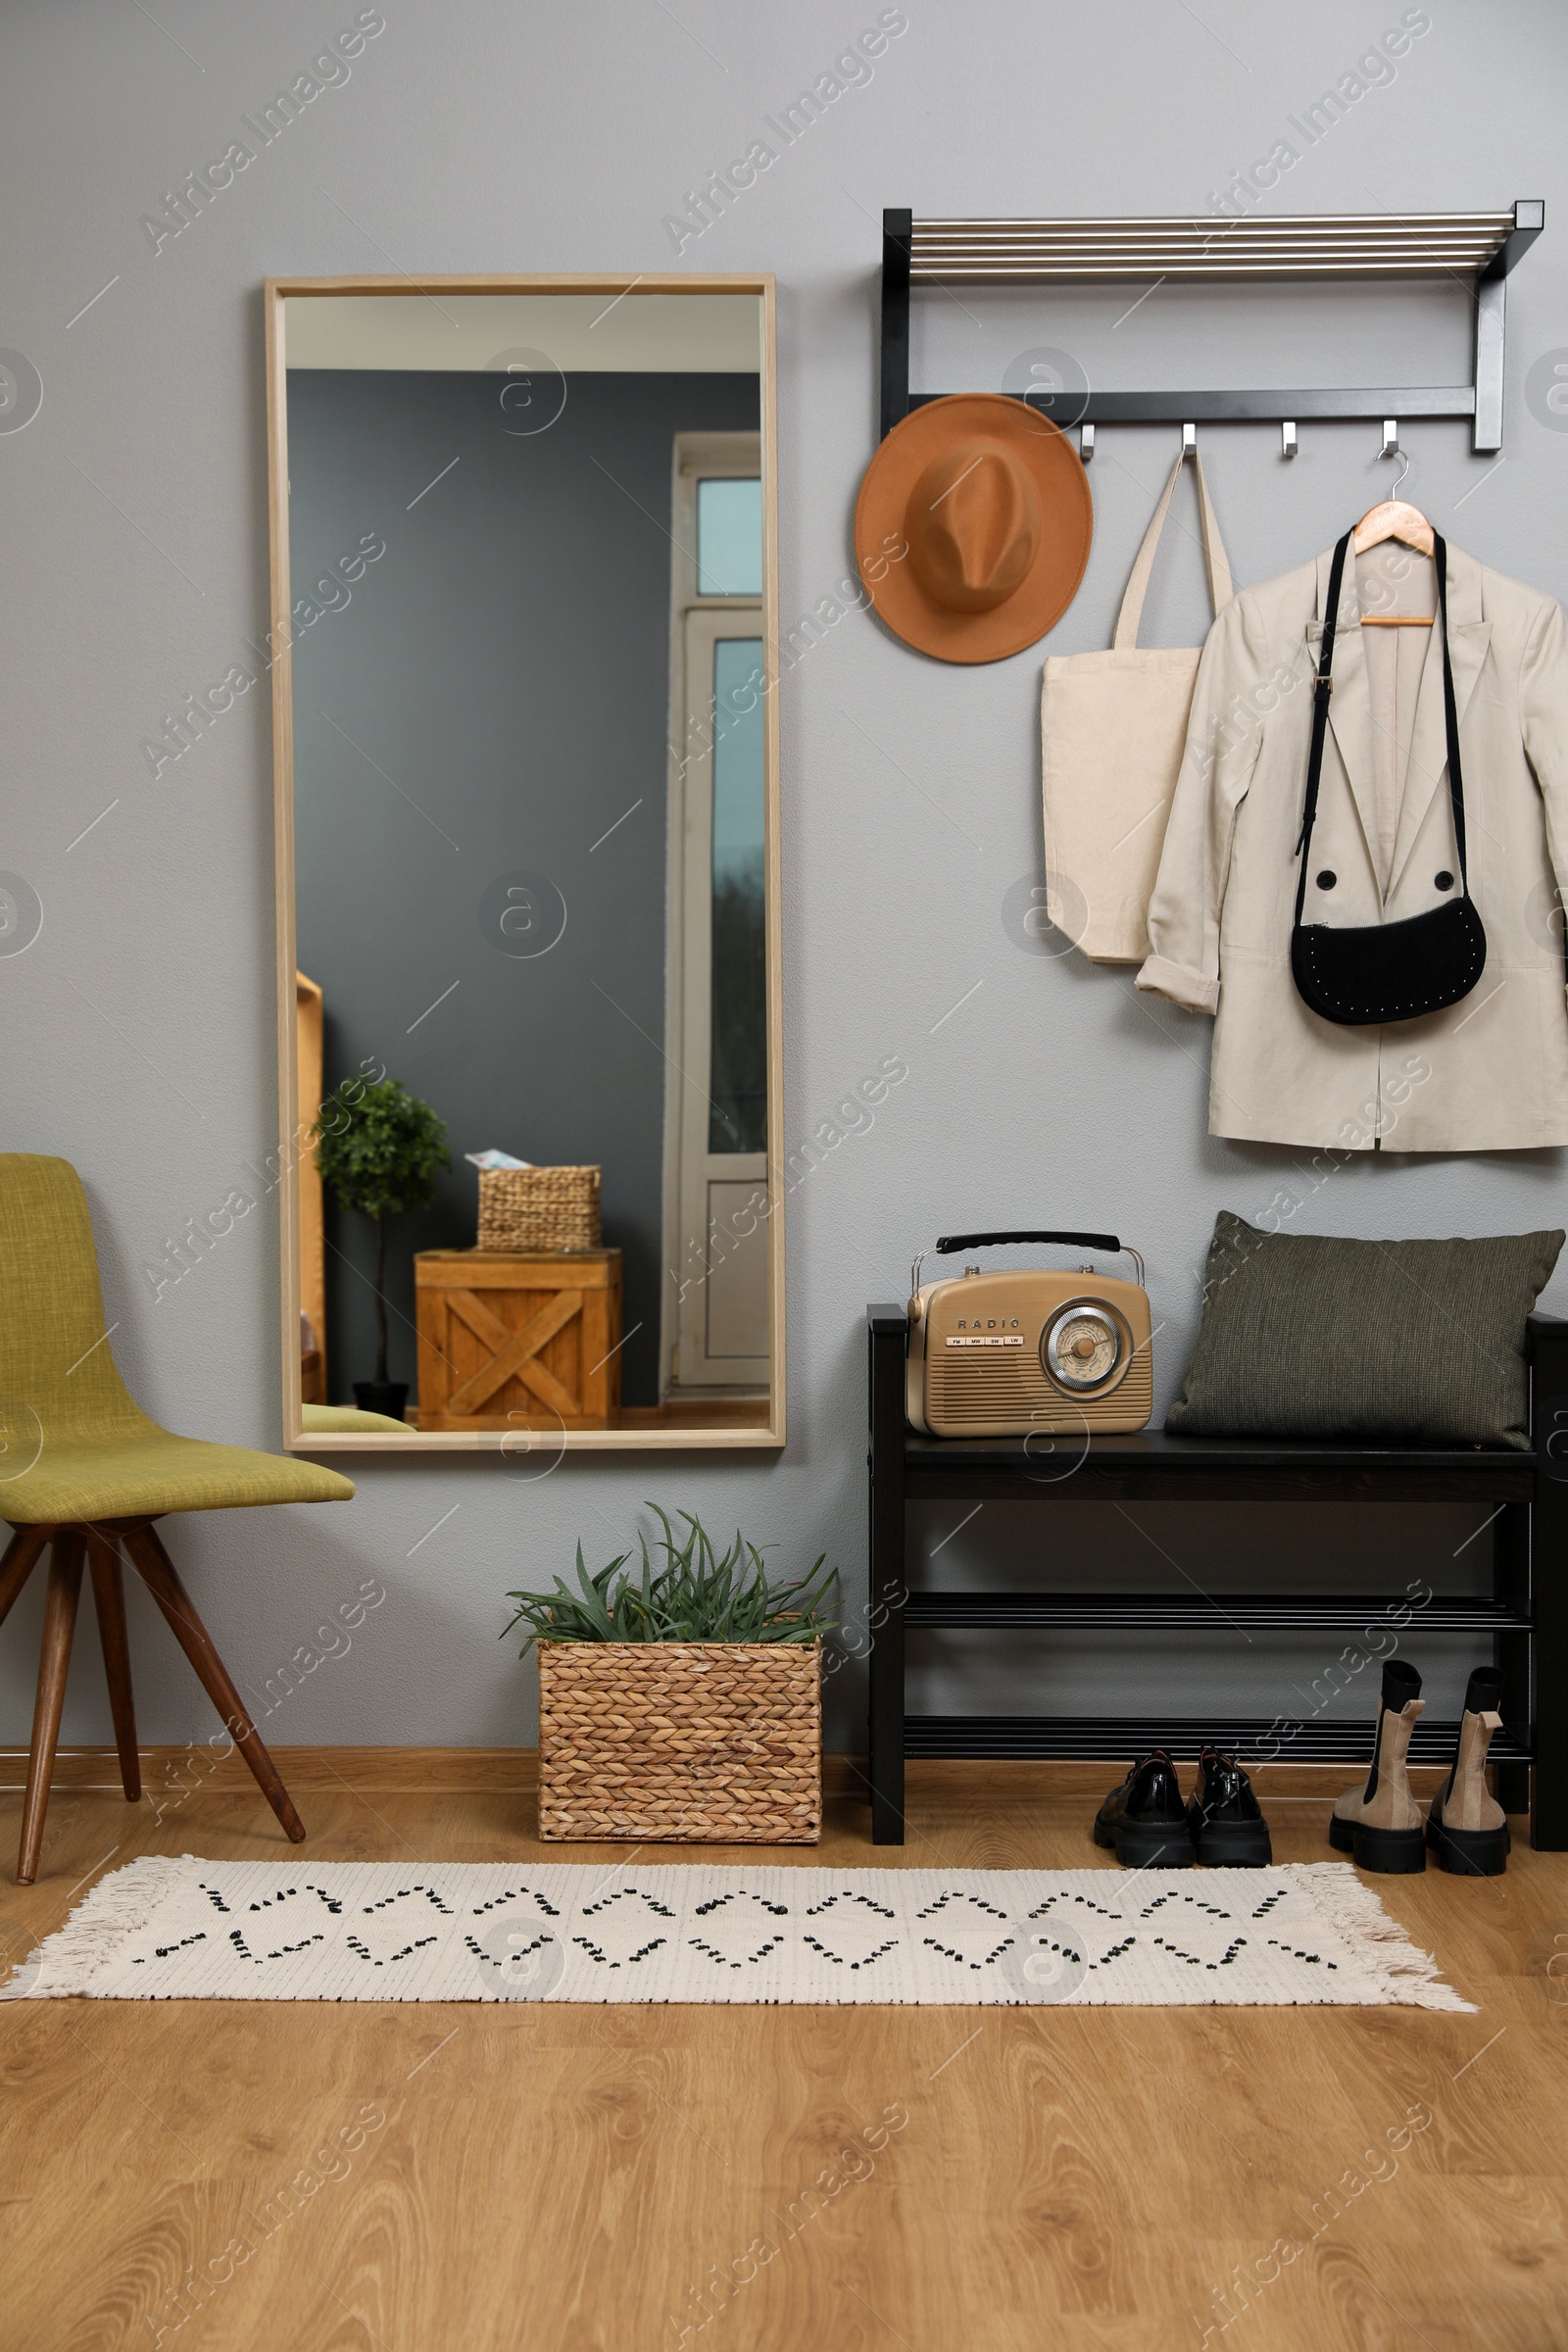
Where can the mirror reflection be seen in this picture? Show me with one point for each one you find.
(532, 859)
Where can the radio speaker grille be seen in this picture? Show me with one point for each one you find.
(984, 1394)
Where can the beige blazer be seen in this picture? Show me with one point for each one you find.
(1490, 1073)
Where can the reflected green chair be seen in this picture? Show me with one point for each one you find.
(83, 1470)
(347, 1420)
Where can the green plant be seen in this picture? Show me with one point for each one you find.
(378, 1148)
(697, 1595)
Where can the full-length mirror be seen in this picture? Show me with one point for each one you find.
(527, 824)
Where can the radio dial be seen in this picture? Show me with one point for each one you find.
(1083, 1347)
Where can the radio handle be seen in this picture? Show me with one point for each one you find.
(986, 1240)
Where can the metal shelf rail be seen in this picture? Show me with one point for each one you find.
(1525, 1615)
(1479, 249)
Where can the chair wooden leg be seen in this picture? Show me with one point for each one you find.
(53, 1658)
(162, 1579)
(109, 1597)
(21, 1559)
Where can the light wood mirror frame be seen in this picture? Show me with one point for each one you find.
(684, 1431)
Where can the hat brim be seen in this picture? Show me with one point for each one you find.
(1067, 508)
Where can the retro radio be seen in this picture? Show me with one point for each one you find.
(1002, 1356)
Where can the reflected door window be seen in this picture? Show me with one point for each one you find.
(729, 535)
(738, 1036)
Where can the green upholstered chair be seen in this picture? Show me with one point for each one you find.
(83, 1470)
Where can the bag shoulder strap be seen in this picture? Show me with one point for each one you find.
(1221, 590)
(1323, 687)
(1451, 713)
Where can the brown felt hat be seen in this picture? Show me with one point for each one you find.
(972, 528)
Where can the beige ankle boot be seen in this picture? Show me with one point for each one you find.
(1467, 1829)
(1380, 1825)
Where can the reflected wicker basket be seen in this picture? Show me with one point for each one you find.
(715, 1743)
(539, 1208)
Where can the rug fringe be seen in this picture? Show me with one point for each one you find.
(1401, 1969)
(122, 1904)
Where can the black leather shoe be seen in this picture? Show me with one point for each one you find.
(1228, 1829)
(1145, 1819)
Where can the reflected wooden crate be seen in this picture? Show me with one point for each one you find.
(515, 1341)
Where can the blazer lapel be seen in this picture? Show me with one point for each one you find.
(1469, 636)
(1350, 704)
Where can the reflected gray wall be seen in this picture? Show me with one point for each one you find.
(492, 696)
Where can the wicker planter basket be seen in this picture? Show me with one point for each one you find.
(716, 1742)
(538, 1208)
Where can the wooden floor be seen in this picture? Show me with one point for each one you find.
(457, 2178)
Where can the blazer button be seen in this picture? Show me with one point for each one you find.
(1327, 879)
(1445, 880)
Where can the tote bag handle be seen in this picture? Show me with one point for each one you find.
(1220, 571)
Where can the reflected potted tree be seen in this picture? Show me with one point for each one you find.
(379, 1149)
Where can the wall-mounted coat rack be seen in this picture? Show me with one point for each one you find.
(1479, 248)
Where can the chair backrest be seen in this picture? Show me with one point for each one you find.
(55, 1359)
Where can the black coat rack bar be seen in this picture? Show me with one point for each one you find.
(1481, 248)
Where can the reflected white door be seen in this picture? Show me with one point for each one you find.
(720, 1265)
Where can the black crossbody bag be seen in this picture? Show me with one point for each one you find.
(1378, 972)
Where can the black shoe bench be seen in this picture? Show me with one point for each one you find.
(1525, 1614)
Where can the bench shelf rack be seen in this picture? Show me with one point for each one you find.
(1524, 1615)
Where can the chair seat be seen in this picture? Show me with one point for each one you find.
(136, 1473)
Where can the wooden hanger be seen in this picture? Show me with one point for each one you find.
(1393, 518)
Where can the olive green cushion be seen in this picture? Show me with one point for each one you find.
(73, 1443)
(1389, 1343)
(340, 1420)
(149, 1471)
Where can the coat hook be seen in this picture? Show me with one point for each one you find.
(1288, 442)
(1189, 440)
(1391, 437)
(1086, 442)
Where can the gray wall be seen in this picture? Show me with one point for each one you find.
(139, 1029)
(492, 698)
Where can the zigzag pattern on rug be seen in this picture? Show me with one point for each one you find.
(183, 1928)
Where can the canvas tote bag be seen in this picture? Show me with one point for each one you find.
(1112, 729)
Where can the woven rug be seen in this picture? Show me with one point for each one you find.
(181, 1928)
